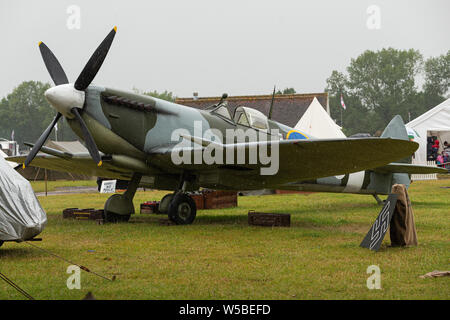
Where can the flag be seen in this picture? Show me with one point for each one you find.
(342, 103)
(12, 135)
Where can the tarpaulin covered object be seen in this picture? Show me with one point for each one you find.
(402, 228)
(21, 214)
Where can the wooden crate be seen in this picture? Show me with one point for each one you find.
(269, 219)
(83, 214)
(220, 199)
(149, 207)
(199, 200)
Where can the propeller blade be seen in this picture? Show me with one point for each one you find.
(95, 62)
(40, 142)
(53, 66)
(90, 143)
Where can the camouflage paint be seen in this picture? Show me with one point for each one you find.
(133, 125)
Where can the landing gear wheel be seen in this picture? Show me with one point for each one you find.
(114, 217)
(182, 209)
(164, 203)
(118, 208)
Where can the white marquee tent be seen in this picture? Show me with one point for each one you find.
(4, 155)
(435, 122)
(317, 122)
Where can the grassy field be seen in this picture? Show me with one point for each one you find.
(221, 257)
(39, 186)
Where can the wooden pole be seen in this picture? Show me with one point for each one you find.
(35, 177)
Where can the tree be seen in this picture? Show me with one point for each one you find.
(286, 91)
(166, 95)
(437, 75)
(384, 81)
(437, 79)
(379, 85)
(27, 112)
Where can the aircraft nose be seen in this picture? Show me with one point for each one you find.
(65, 97)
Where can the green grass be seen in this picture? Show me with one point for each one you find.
(221, 257)
(39, 186)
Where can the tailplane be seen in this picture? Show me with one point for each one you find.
(383, 178)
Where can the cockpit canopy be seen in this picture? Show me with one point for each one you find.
(251, 118)
(242, 115)
(222, 111)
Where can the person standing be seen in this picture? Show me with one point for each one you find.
(435, 148)
(440, 160)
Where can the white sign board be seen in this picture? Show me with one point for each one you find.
(108, 186)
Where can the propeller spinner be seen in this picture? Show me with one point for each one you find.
(68, 99)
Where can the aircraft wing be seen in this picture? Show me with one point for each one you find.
(409, 168)
(309, 159)
(81, 163)
(298, 160)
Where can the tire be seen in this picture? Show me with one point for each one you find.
(118, 208)
(165, 202)
(114, 217)
(1, 242)
(182, 209)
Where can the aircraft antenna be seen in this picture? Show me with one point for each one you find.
(271, 103)
(224, 96)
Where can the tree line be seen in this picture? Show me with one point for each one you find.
(27, 113)
(375, 87)
(378, 85)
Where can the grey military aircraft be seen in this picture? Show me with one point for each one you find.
(163, 145)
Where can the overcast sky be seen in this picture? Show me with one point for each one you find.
(239, 47)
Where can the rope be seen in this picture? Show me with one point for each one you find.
(15, 286)
(68, 261)
(64, 259)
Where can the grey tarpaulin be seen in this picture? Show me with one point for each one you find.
(21, 214)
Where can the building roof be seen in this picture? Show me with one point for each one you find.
(287, 108)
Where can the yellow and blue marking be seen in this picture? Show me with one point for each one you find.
(296, 135)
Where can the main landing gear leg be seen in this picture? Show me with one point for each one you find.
(119, 207)
(180, 207)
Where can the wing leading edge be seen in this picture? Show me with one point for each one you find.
(297, 160)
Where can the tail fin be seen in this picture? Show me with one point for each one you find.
(382, 181)
(396, 129)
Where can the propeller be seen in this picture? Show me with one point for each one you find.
(67, 99)
(52, 64)
(40, 142)
(90, 143)
(95, 62)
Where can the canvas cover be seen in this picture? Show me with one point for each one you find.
(21, 214)
(317, 122)
(402, 228)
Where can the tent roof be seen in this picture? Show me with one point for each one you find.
(430, 113)
(316, 122)
(67, 146)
